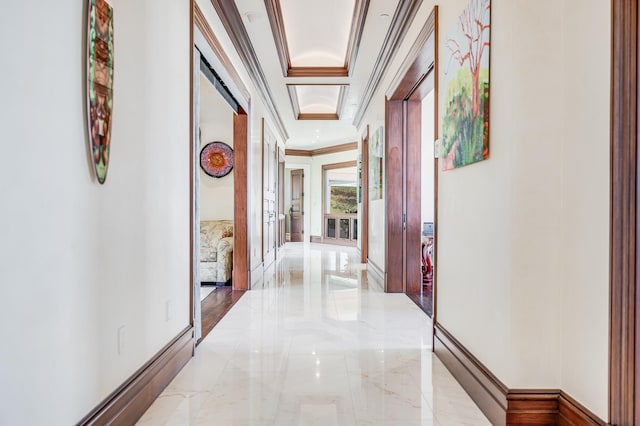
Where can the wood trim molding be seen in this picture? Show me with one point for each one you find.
(316, 239)
(489, 393)
(325, 167)
(504, 406)
(357, 27)
(351, 146)
(341, 165)
(298, 152)
(295, 102)
(417, 64)
(624, 386)
(130, 401)
(317, 116)
(232, 21)
(364, 233)
(241, 207)
(400, 23)
(203, 25)
(572, 413)
(274, 12)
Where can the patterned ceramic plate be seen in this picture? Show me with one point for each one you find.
(216, 159)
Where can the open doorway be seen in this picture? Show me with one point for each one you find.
(214, 192)
(411, 173)
(340, 203)
(294, 205)
(424, 298)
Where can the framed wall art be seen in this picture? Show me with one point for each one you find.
(465, 125)
(100, 84)
(216, 159)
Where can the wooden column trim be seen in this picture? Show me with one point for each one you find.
(623, 374)
(364, 237)
(393, 196)
(241, 232)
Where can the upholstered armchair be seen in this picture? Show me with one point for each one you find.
(216, 251)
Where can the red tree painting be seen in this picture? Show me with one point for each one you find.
(466, 120)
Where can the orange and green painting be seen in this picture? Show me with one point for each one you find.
(465, 125)
(100, 84)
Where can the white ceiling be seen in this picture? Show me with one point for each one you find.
(325, 15)
(312, 41)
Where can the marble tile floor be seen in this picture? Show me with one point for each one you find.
(316, 343)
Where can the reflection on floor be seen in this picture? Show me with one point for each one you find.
(424, 300)
(316, 344)
(215, 306)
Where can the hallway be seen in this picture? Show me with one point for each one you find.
(317, 344)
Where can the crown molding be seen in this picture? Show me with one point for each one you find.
(274, 12)
(401, 21)
(201, 23)
(295, 105)
(232, 21)
(351, 146)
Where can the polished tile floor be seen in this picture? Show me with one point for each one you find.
(317, 343)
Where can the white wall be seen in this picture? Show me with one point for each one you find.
(428, 163)
(315, 189)
(523, 237)
(216, 124)
(585, 158)
(79, 259)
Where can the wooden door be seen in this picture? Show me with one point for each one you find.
(269, 191)
(280, 223)
(297, 205)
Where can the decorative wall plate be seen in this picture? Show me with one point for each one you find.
(216, 159)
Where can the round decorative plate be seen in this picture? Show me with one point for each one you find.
(216, 159)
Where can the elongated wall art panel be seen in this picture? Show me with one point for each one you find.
(100, 83)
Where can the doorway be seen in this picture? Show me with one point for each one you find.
(411, 117)
(219, 172)
(340, 203)
(296, 206)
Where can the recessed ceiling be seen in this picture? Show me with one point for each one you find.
(317, 39)
(317, 134)
(317, 101)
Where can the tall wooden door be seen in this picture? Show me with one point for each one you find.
(297, 205)
(269, 195)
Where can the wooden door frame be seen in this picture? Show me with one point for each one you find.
(364, 215)
(624, 374)
(332, 166)
(403, 107)
(242, 159)
(280, 200)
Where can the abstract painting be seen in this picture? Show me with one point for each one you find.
(376, 171)
(100, 84)
(465, 125)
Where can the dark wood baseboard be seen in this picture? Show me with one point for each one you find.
(489, 393)
(504, 406)
(316, 239)
(130, 401)
(572, 413)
